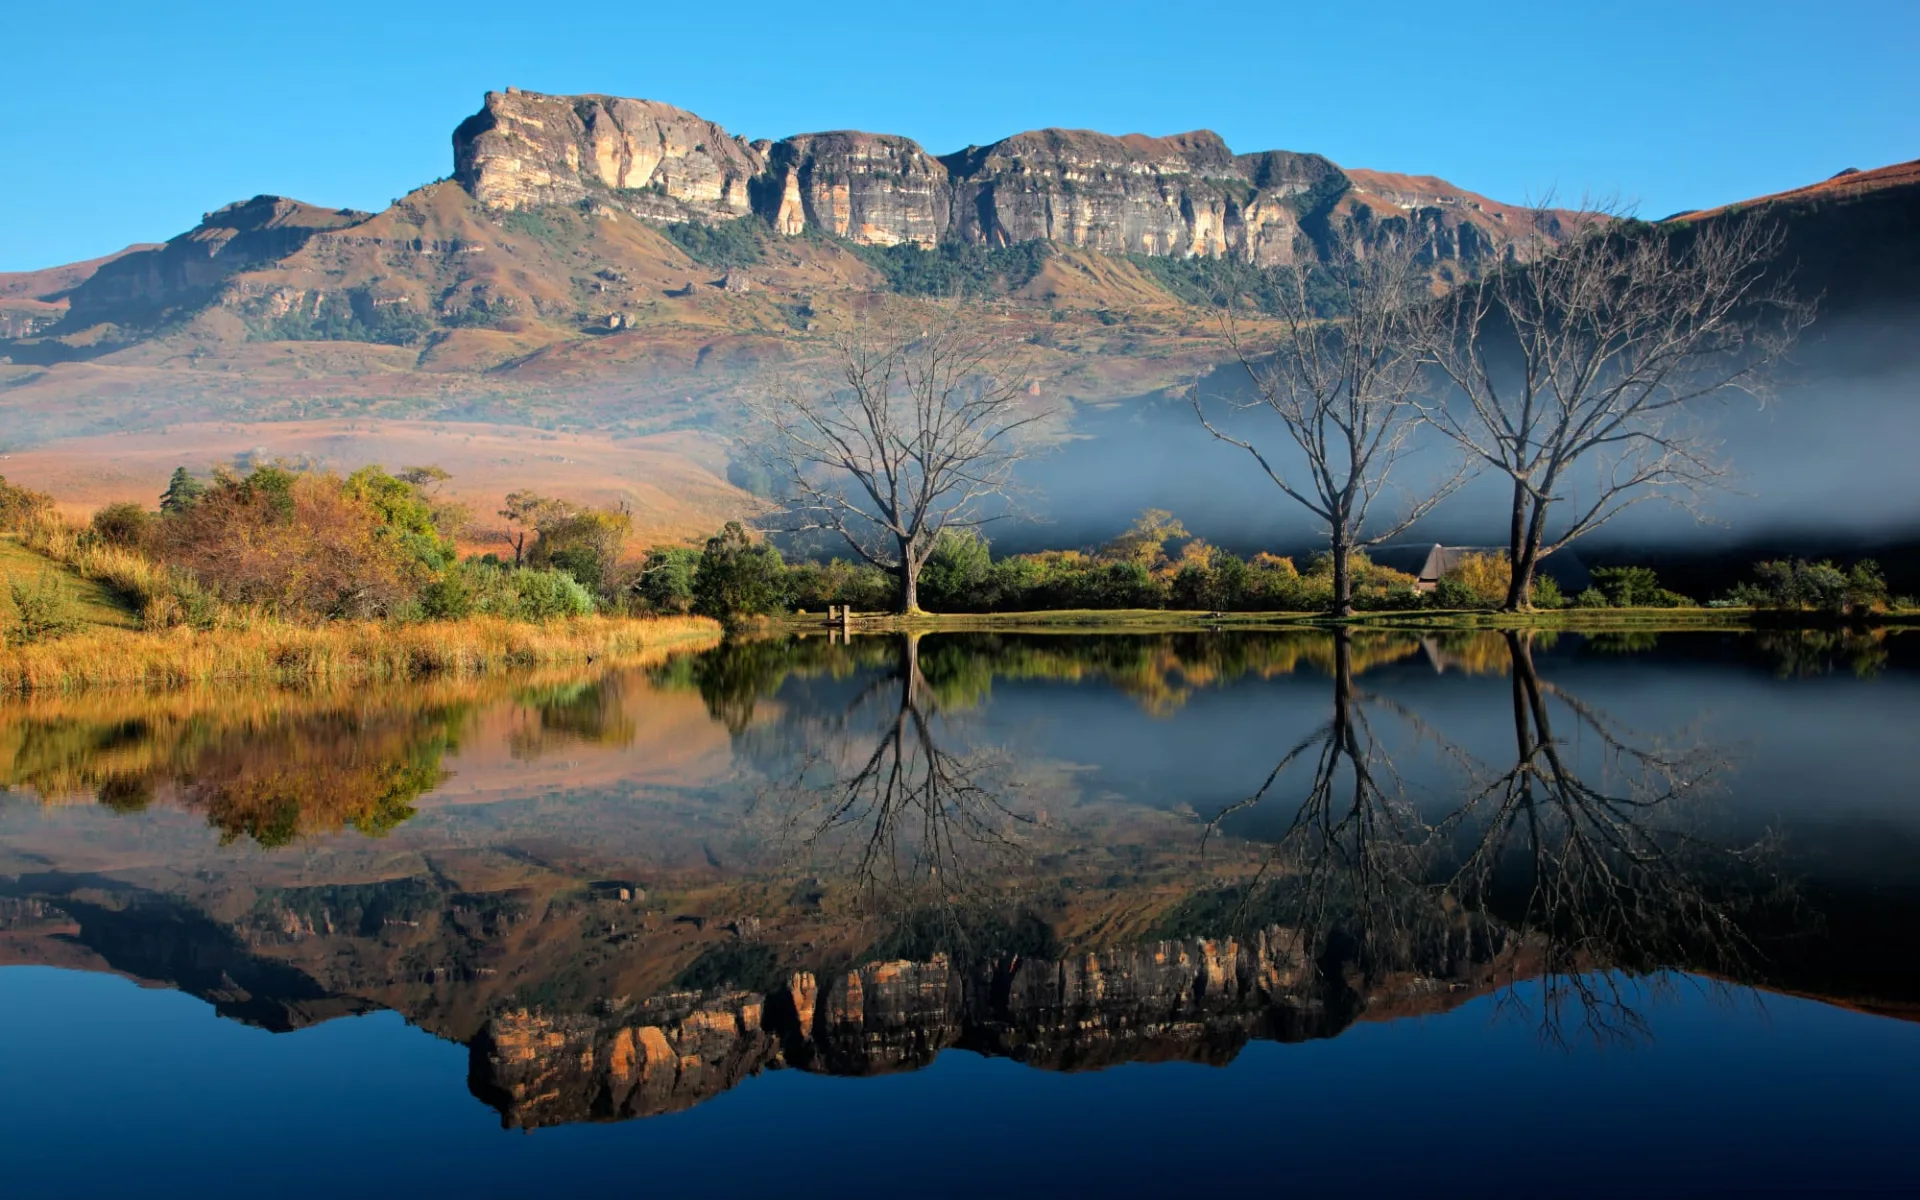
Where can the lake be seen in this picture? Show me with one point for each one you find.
(963, 913)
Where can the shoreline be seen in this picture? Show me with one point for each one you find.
(275, 653)
(1578, 620)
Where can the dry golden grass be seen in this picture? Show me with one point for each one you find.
(344, 651)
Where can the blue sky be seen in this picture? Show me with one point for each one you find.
(125, 122)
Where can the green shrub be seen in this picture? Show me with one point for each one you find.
(738, 577)
(665, 584)
(451, 597)
(1452, 593)
(1590, 598)
(954, 268)
(547, 595)
(1798, 585)
(1627, 587)
(21, 507)
(735, 243)
(42, 612)
(958, 575)
(1547, 593)
(124, 524)
(860, 586)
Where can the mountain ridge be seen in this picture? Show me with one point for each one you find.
(528, 291)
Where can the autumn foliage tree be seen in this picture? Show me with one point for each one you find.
(305, 545)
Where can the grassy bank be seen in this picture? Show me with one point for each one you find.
(96, 604)
(100, 657)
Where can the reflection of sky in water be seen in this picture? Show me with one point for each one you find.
(666, 779)
(1728, 1095)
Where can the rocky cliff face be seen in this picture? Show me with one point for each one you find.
(1196, 999)
(875, 189)
(1187, 195)
(524, 149)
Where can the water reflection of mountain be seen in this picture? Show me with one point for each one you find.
(1435, 822)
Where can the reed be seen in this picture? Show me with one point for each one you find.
(274, 650)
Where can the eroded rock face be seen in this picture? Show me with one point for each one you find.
(1183, 196)
(671, 1053)
(876, 189)
(1197, 1000)
(524, 149)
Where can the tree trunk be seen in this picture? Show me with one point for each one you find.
(1516, 545)
(1524, 555)
(1342, 674)
(1342, 577)
(909, 582)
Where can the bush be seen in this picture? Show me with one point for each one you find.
(1626, 587)
(860, 586)
(737, 577)
(304, 546)
(1451, 593)
(42, 612)
(123, 524)
(958, 576)
(546, 596)
(665, 584)
(1547, 593)
(734, 243)
(452, 597)
(1486, 577)
(1799, 585)
(954, 268)
(1590, 598)
(586, 545)
(22, 507)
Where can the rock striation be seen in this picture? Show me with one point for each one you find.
(1188, 195)
(875, 189)
(524, 149)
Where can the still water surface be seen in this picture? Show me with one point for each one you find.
(1036, 914)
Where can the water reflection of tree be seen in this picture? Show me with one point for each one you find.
(1592, 844)
(1344, 873)
(1161, 671)
(574, 712)
(1802, 653)
(275, 765)
(1584, 862)
(879, 793)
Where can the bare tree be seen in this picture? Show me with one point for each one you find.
(922, 434)
(1596, 353)
(1345, 391)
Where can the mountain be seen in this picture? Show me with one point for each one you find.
(605, 268)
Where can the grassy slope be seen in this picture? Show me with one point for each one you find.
(99, 608)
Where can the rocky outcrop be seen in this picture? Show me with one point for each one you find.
(671, 1053)
(524, 149)
(1187, 195)
(1183, 196)
(875, 189)
(1196, 999)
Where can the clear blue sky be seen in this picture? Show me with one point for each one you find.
(125, 121)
